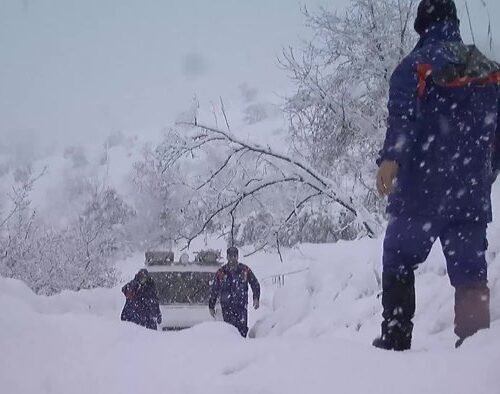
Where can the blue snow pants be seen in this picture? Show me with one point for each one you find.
(237, 316)
(408, 241)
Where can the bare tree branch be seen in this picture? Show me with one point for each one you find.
(224, 113)
(317, 181)
(234, 203)
(220, 169)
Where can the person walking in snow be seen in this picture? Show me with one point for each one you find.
(440, 157)
(141, 305)
(231, 285)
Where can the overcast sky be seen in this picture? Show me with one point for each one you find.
(75, 70)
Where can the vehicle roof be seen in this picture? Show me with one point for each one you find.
(183, 268)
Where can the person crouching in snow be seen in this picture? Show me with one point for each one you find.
(141, 305)
(440, 156)
(231, 285)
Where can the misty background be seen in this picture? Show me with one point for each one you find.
(73, 72)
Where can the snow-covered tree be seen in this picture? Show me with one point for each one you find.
(212, 181)
(50, 258)
(18, 226)
(338, 113)
(97, 236)
(321, 187)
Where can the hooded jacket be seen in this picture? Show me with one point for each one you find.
(443, 128)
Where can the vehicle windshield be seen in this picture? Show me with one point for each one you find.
(183, 287)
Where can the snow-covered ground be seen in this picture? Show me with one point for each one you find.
(74, 353)
(313, 334)
(320, 308)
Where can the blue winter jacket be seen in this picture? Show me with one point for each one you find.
(443, 129)
(141, 305)
(232, 287)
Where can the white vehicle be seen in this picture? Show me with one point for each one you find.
(183, 287)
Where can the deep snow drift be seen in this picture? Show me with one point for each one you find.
(313, 334)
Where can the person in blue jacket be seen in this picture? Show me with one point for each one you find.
(141, 305)
(440, 157)
(231, 285)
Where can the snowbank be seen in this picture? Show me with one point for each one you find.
(98, 302)
(313, 333)
(339, 292)
(80, 353)
(320, 311)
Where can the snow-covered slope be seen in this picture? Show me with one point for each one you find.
(74, 353)
(313, 334)
(58, 346)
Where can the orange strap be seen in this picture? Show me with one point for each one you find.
(423, 71)
(493, 78)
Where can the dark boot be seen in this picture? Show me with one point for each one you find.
(398, 302)
(472, 310)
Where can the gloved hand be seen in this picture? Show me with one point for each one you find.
(387, 172)
(158, 319)
(212, 312)
(256, 304)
